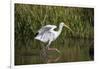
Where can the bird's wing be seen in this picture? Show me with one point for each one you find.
(45, 33)
(46, 36)
(47, 28)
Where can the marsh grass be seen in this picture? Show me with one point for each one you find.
(30, 18)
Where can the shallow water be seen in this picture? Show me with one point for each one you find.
(72, 50)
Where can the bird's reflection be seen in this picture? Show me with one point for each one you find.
(51, 60)
(48, 58)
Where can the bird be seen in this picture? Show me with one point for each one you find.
(47, 34)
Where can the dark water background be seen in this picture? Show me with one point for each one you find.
(72, 50)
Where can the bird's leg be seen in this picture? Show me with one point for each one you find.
(52, 48)
(48, 44)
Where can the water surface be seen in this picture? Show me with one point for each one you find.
(72, 50)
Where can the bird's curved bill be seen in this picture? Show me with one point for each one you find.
(68, 27)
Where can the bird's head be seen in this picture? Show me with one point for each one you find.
(63, 24)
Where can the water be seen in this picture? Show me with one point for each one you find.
(72, 50)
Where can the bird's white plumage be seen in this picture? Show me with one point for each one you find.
(47, 28)
(46, 33)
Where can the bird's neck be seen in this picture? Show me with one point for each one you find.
(60, 29)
